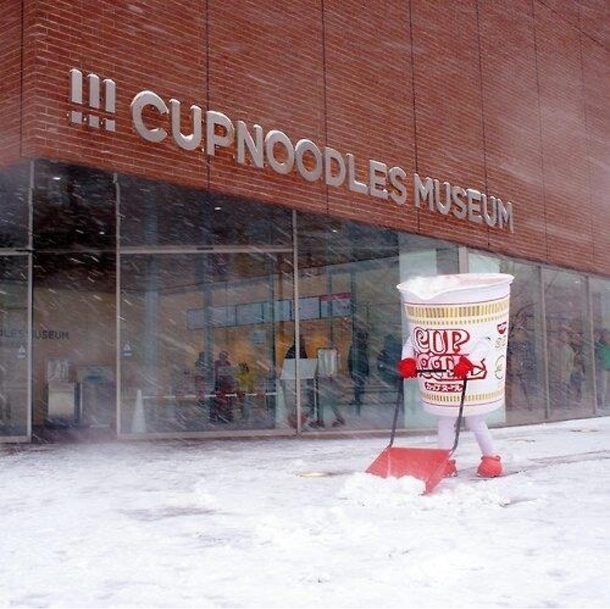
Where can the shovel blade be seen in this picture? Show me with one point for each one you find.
(426, 464)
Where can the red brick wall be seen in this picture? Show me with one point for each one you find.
(266, 68)
(567, 213)
(10, 79)
(369, 99)
(597, 93)
(508, 97)
(449, 125)
(513, 137)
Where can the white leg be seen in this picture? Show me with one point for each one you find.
(446, 432)
(478, 426)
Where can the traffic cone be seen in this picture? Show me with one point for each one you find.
(138, 424)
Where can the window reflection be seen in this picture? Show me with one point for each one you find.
(157, 214)
(14, 185)
(73, 208)
(566, 311)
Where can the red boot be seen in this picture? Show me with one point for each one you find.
(450, 469)
(490, 467)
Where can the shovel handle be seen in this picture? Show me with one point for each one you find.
(458, 423)
(399, 399)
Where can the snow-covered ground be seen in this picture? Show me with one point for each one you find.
(297, 523)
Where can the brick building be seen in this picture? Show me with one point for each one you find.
(184, 179)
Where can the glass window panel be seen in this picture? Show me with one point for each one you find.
(14, 405)
(14, 184)
(198, 349)
(74, 208)
(565, 297)
(165, 214)
(526, 396)
(600, 306)
(74, 361)
(421, 256)
(353, 269)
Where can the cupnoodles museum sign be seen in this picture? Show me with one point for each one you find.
(250, 144)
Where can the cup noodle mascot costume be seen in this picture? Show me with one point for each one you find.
(462, 340)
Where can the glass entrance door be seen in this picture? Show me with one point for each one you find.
(74, 325)
(199, 336)
(14, 348)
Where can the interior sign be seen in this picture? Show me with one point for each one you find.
(155, 120)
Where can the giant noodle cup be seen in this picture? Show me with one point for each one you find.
(454, 315)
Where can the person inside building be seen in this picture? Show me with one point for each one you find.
(566, 368)
(599, 378)
(245, 378)
(358, 366)
(224, 385)
(520, 368)
(578, 371)
(246, 385)
(387, 361)
(604, 361)
(291, 353)
(200, 371)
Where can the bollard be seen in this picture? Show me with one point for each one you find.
(138, 424)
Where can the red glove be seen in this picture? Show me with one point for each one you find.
(407, 368)
(463, 367)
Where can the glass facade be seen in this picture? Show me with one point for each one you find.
(145, 308)
(567, 322)
(15, 334)
(14, 346)
(198, 336)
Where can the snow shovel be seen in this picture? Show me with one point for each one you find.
(426, 464)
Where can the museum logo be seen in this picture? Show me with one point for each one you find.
(93, 104)
(93, 101)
